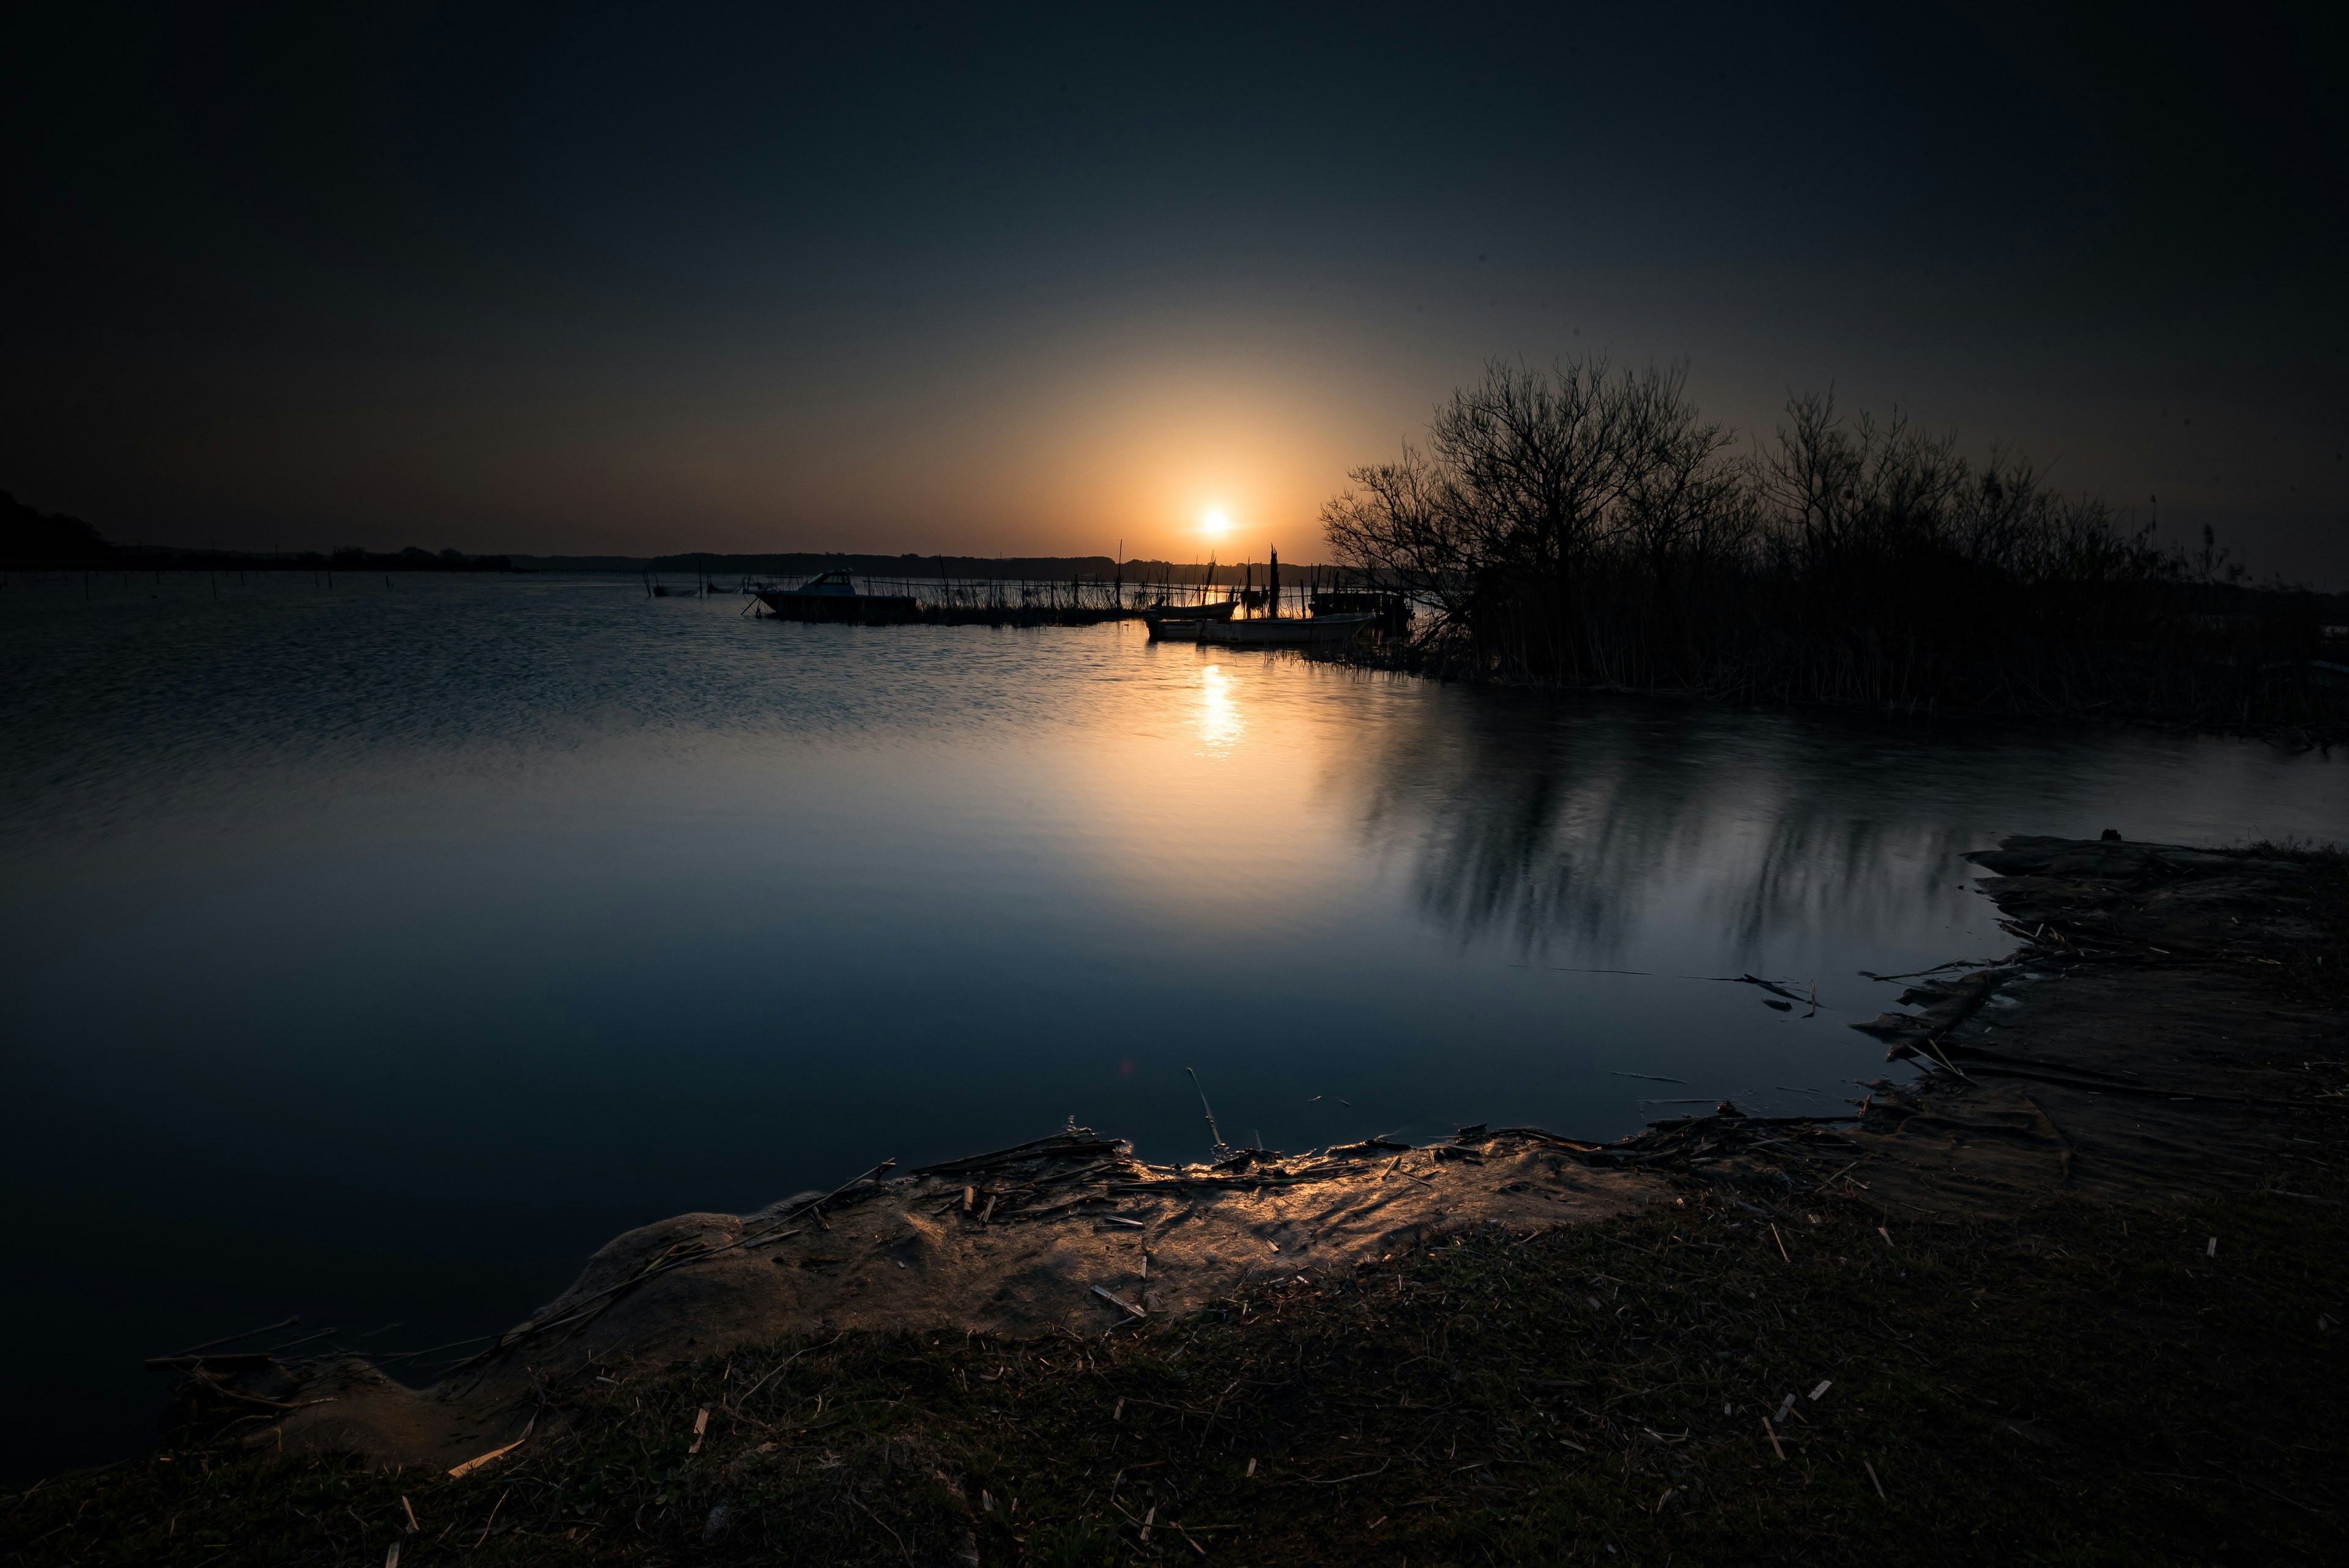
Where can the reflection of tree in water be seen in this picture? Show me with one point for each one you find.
(1547, 825)
(1819, 866)
(1530, 823)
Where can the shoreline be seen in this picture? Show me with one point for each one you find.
(2167, 1040)
(2297, 735)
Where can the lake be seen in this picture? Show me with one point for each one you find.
(377, 951)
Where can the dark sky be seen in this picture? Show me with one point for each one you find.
(669, 277)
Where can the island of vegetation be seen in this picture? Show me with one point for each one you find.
(1587, 526)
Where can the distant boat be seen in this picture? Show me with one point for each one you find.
(1317, 631)
(832, 596)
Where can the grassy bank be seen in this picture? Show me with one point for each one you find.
(2071, 1384)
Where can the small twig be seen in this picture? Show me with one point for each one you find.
(883, 1524)
(493, 1517)
(248, 1334)
(786, 1361)
(1341, 1480)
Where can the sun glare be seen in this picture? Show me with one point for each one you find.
(1215, 522)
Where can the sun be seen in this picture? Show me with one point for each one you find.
(1215, 522)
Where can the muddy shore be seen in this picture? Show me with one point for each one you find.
(2166, 1036)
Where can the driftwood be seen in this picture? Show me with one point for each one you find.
(1058, 1146)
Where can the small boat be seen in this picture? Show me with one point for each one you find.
(833, 595)
(1320, 630)
(1220, 611)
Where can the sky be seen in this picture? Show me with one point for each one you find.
(1006, 280)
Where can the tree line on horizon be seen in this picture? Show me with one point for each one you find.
(1586, 525)
(34, 538)
(37, 539)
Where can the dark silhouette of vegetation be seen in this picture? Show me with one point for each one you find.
(37, 540)
(1587, 527)
(46, 538)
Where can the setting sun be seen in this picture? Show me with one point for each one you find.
(1215, 522)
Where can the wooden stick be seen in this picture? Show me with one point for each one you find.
(470, 1466)
(1772, 1433)
(778, 1236)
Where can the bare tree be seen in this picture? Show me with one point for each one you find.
(1403, 525)
(1536, 474)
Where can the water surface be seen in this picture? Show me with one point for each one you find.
(377, 952)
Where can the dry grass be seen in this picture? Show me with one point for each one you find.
(2075, 1385)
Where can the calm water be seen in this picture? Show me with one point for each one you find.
(375, 954)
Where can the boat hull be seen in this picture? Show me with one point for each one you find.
(1221, 610)
(1319, 631)
(855, 609)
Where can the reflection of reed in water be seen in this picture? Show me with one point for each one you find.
(1550, 829)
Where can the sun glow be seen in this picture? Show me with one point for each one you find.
(1215, 522)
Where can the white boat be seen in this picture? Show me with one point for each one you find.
(1220, 611)
(1270, 633)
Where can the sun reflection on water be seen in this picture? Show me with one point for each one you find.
(1221, 724)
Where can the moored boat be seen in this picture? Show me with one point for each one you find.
(1268, 633)
(1220, 611)
(832, 596)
